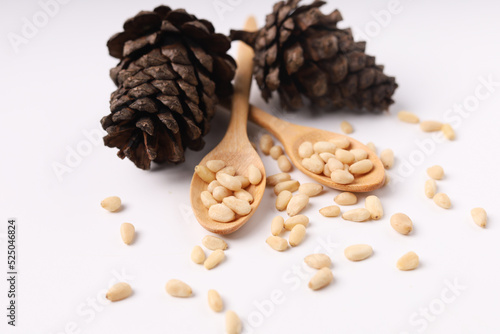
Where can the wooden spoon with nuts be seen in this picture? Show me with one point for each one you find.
(235, 148)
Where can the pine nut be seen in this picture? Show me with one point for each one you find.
(448, 132)
(233, 323)
(330, 211)
(359, 154)
(325, 156)
(357, 215)
(277, 243)
(341, 176)
(313, 165)
(207, 199)
(204, 173)
(215, 165)
(284, 164)
(358, 252)
(291, 186)
(177, 288)
(119, 291)
(273, 180)
(334, 164)
(127, 232)
(283, 199)
(318, 261)
(346, 127)
(245, 182)
(326, 171)
(306, 149)
(228, 181)
(387, 179)
(215, 301)
(277, 225)
(479, 216)
(346, 198)
(344, 156)
(387, 158)
(372, 147)
(310, 189)
(324, 146)
(361, 167)
(409, 261)
(297, 204)
(430, 126)
(373, 204)
(275, 152)
(220, 193)
(243, 195)
(408, 117)
(401, 223)
(436, 172)
(197, 255)
(266, 142)
(442, 200)
(239, 206)
(212, 185)
(321, 279)
(214, 259)
(297, 235)
(229, 170)
(221, 213)
(430, 188)
(341, 142)
(296, 220)
(112, 203)
(213, 243)
(254, 175)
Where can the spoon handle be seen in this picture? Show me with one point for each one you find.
(276, 126)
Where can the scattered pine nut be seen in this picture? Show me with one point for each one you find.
(239, 206)
(409, 261)
(330, 211)
(112, 203)
(318, 261)
(436, 172)
(373, 204)
(204, 173)
(430, 188)
(479, 216)
(442, 200)
(296, 204)
(214, 259)
(346, 127)
(283, 199)
(321, 279)
(127, 232)
(387, 158)
(207, 199)
(284, 164)
(357, 215)
(430, 126)
(119, 291)
(266, 142)
(310, 189)
(177, 288)
(448, 132)
(342, 176)
(220, 193)
(198, 255)
(277, 225)
(297, 235)
(346, 198)
(358, 252)
(215, 165)
(233, 323)
(213, 243)
(401, 223)
(296, 220)
(277, 243)
(408, 117)
(273, 180)
(221, 213)
(275, 152)
(215, 301)
(291, 186)
(254, 175)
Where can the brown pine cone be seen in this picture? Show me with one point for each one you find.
(173, 67)
(300, 51)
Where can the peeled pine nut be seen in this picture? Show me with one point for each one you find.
(221, 213)
(430, 188)
(233, 323)
(204, 173)
(212, 185)
(310, 189)
(291, 186)
(197, 255)
(283, 199)
(346, 198)
(254, 175)
(359, 154)
(346, 127)
(387, 158)
(436, 172)
(408, 117)
(112, 203)
(277, 243)
(372, 147)
(344, 156)
(284, 164)
(273, 180)
(119, 291)
(207, 199)
(409, 261)
(479, 216)
(358, 252)
(215, 301)
(277, 225)
(297, 204)
(214, 259)
(215, 165)
(245, 182)
(229, 181)
(373, 204)
(177, 288)
(296, 220)
(313, 165)
(327, 171)
(275, 152)
(430, 126)
(321, 279)
(297, 234)
(330, 211)
(213, 243)
(357, 215)
(341, 176)
(243, 195)
(361, 167)
(324, 146)
(448, 132)
(325, 156)
(334, 164)
(341, 142)
(306, 149)
(318, 261)
(220, 193)
(127, 232)
(266, 142)
(442, 200)
(401, 223)
(239, 206)
(229, 170)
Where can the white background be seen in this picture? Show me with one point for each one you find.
(56, 87)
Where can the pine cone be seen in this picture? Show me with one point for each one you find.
(300, 51)
(173, 67)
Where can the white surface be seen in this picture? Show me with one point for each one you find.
(57, 86)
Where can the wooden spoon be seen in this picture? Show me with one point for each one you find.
(235, 148)
(292, 135)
